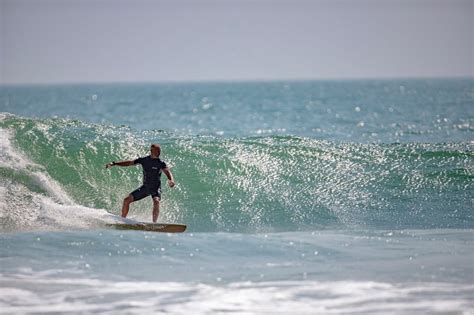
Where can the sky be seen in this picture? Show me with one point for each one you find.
(73, 41)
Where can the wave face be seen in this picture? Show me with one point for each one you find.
(52, 168)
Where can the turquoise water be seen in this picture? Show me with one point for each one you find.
(305, 197)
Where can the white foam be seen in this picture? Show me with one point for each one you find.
(51, 294)
(12, 159)
(28, 210)
(59, 216)
(9, 157)
(3, 202)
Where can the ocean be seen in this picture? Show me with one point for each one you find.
(301, 197)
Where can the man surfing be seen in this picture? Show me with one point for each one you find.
(152, 169)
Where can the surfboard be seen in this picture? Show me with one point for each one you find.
(152, 227)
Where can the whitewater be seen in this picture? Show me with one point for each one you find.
(311, 197)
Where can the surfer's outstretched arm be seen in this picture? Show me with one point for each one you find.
(121, 163)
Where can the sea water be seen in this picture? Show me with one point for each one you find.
(302, 197)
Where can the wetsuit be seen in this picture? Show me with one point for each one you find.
(152, 169)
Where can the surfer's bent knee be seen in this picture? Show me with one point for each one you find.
(156, 200)
(129, 198)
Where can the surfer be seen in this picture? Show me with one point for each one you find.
(152, 169)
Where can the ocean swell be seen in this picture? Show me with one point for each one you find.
(245, 184)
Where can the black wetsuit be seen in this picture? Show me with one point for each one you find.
(152, 169)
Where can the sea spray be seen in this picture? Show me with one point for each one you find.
(267, 183)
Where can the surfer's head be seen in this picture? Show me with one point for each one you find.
(155, 149)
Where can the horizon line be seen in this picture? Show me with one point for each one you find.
(228, 81)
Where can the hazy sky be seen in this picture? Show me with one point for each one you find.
(45, 41)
